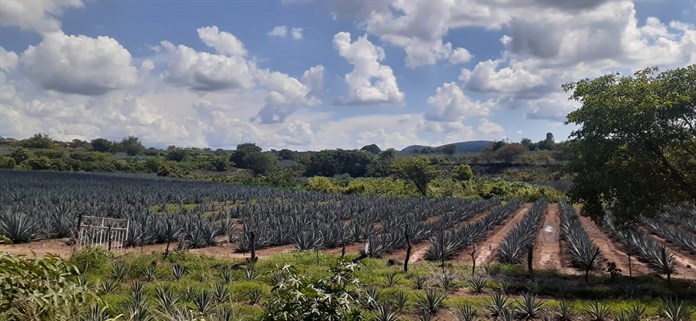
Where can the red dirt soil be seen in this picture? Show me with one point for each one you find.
(610, 250)
(547, 246)
(485, 249)
(681, 257)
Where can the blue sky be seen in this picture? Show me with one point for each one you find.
(319, 74)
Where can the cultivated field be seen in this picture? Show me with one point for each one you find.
(40, 211)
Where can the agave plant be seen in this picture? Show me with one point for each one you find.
(108, 286)
(226, 276)
(584, 254)
(477, 283)
(516, 242)
(598, 311)
(165, 300)
(149, 273)
(392, 279)
(529, 306)
(384, 312)
(447, 282)
(498, 304)
(465, 312)
(119, 272)
(430, 301)
(221, 293)
(372, 297)
(178, 271)
(254, 296)
(564, 311)
(674, 310)
(419, 281)
(400, 300)
(18, 227)
(203, 302)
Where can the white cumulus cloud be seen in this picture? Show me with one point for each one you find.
(279, 31)
(370, 82)
(224, 43)
(450, 104)
(79, 64)
(38, 16)
(8, 59)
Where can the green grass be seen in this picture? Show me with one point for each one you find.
(204, 272)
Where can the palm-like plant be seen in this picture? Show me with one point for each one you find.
(498, 304)
(18, 227)
(477, 283)
(384, 312)
(465, 312)
(598, 311)
(529, 306)
(674, 310)
(430, 301)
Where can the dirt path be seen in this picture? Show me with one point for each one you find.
(418, 250)
(686, 263)
(610, 250)
(352, 248)
(486, 248)
(59, 247)
(547, 246)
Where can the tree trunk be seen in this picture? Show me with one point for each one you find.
(530, 249)
(252, 241)
(473, 261)
(408, 250)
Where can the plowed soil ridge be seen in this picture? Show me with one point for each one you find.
(686, 263)
(547, 246)
(610, 250)
(485, 249)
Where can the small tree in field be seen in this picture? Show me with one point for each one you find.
(462, 172)
(419, 170)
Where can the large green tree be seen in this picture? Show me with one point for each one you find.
(635, 146)
(417, 169)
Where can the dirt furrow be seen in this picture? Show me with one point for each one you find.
(547, 246)
(485, 249)
(610, 250)
(686, 263)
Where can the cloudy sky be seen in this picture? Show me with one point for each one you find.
(319, 74)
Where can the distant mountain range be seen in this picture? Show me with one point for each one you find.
(475, 146)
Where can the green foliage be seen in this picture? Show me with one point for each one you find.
(101, 145)
(322, 184)
(131, 145)
(91, 258)
(7, 162)
(419, 170)
(40, 289)
(462, 172)
(21, 154)
(336, 162)
(38, 141)
(509, 152)
(635, 149)
(299, 297)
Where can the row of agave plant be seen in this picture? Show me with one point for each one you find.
(584, 254)
(655, 254)
(668, 226)
(446, 244)
(379, 221)
(682, 214)
(42, 205)
(393, 235)
(517, 242)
